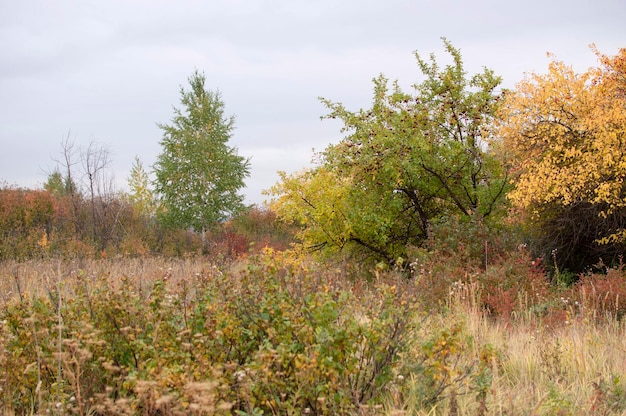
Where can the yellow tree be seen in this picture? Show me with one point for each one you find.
(566, 137)
(141, 195)
(315, 200)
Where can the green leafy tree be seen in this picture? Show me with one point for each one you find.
(198, 175)
(409, 160)
(55, 183)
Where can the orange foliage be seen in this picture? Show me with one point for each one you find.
(26, 218)
(566, 133)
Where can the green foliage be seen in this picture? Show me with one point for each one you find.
(198, 175)
(279, 335)
(271, 339)
(59, 185)
(610, 395)
(311, 346)
(55, 183)
(408, 160)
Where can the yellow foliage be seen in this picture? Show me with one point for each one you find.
(43, 242)
(565, 134)
(316, 200)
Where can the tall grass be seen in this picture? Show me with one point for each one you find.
(575, 368)
(183, 336)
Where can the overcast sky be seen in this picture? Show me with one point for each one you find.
(109, 70)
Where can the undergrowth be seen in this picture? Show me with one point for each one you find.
(276, 335)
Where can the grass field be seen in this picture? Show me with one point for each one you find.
(274, 335)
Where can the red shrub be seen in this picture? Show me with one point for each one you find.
(602, 294)
(516, 283)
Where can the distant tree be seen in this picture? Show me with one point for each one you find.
(68, 163)
(141, 195)
(95, 160)
(198, 175)
(565, 133)
(85, 190)
(261, 226)
(55, 183)
(409, 160)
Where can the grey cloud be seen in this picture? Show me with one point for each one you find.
(111, 69)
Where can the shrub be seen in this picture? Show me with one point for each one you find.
(602, 294)
(280, 336)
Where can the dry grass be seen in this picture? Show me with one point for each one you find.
(575, 368)
(40, 277)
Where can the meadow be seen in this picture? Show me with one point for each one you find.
(460, 252)
(274, 334)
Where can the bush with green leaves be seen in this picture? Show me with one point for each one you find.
(405, 163)
(278, 336)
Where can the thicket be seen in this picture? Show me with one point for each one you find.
(279, 335)
(272, 338)
(41, 224)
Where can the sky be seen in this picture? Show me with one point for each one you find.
(109, 72)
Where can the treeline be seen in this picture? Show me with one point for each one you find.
(36, 223)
